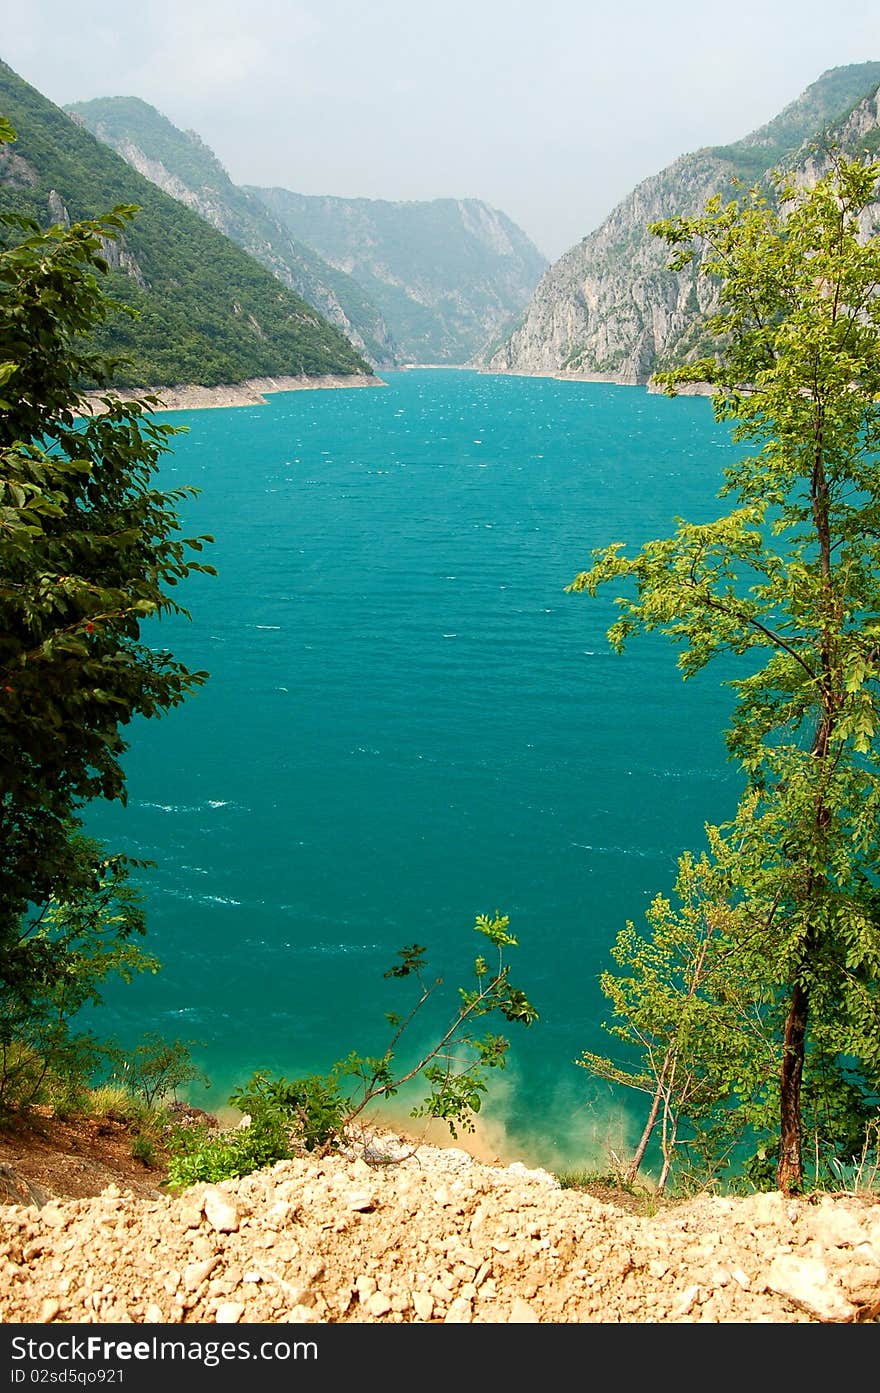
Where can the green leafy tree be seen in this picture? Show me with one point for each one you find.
(455, 1066)
(698, 1012)
(697, 1030)
(71, 947)
(89, 550)
(154, 1068)
(789, 581)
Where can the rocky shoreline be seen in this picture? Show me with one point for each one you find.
(253, 392)
(686, 389)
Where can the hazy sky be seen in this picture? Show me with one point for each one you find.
(550, 110)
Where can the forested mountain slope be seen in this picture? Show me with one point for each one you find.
(414, 282)
(207, 312)
(180, 163)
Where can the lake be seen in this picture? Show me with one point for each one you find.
(409, 722)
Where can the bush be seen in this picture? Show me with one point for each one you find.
(155, 1068)
(311, 1111)
(197, 1154)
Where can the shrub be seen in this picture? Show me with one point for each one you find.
(198, 1154)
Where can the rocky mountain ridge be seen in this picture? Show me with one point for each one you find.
(407, 283)
(610, 308)
(448, 274)
(182, 166)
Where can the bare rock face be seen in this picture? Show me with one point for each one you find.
(433, 1237)
(610, 309)
(448, 274)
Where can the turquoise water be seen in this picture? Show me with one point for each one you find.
(409, 722)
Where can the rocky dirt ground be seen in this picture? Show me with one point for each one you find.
(396, 1233)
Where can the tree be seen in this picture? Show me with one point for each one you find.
(155, 1067)
(789, 581)
(696, 1028)
(66, 953)
(694, 1006)
(89, 550)
(455, 1065)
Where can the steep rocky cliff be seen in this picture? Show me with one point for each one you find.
(609, 307)
(449, 274)
(179, 163)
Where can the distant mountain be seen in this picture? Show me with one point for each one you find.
(407, 282)
(449, 275)
(180, 164)
(610, 307)
(208, 312)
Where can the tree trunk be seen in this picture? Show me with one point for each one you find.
(632, 1169)
(790, 1169)
(789, 1172)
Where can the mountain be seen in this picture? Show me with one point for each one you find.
(180, 164)
(407, 282)
(207, 312)
(448, 274)
(609, 307)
